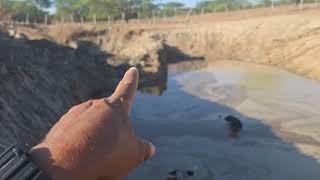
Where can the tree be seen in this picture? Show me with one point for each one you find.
(101, 9)
(221, 5)
(212, 6)
(19, 10)
(171, 8)
(146, 8)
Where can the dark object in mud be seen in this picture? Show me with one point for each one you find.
(234, 123)
(179, 174)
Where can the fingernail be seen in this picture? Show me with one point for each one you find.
(152, 149)
(131, 76)
(134, 68)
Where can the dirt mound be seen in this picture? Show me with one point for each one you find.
(127, 46)
(123, 46)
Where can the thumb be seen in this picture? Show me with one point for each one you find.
(127, 88)
(148, 149)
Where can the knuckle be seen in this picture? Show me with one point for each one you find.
(73, 108)
(103, 104)
(100, 103)
(113, 102)
(85, 104)
(107, 100)
(90, 102)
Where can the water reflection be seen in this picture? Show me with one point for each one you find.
(156, 89)
(185, 126)
(159, 86)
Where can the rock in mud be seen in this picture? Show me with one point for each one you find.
(180, 175)
(235, 126)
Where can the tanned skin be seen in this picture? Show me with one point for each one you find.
(95, 140)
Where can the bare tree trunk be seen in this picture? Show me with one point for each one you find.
(202, 11)
(153, 17)
(109, 20)
(188, 15)
(71, 18)
(27, 18)
(272, 4)
(62, 20)
(46, 19)
(94, 19)
(301, 5)
(164, 16)
(81, 19)
(123, 17)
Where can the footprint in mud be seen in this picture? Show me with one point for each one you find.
(180, 175)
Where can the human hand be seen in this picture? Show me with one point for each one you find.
(95, 140)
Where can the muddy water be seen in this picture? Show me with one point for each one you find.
(280, 114)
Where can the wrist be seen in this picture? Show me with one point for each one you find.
(58, 162)
(42, 157)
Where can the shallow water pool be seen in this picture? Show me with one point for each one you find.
(279, 110)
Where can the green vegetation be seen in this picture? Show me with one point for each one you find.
(222, 5)
(128, 9)
(31, 9)
(171, 8)
(102, 9)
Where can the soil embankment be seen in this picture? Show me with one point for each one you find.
(40, 81)
(124, 46)
(283, 37)
(291, 41)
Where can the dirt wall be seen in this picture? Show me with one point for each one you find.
(288, 41)
(40, 81)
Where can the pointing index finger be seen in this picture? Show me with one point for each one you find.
(126, 89)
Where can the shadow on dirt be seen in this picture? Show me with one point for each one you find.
(81, 34)
(40, 80)
(175, 55)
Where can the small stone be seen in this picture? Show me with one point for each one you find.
(12, 32)
(143, 63)
(235, 123)
(21, 36)
(73, 44)
(180, 174)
